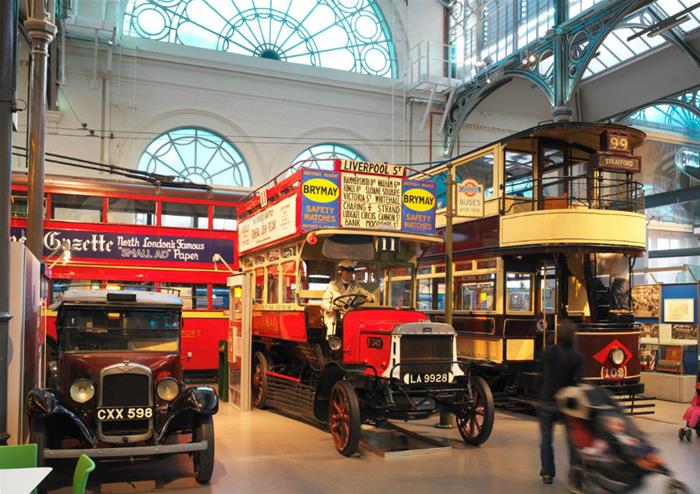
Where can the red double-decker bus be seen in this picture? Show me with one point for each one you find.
(144, 237)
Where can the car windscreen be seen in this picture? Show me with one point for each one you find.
(112, 329)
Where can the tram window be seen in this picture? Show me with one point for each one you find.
(519, 174)
(519, 292)
(431, 294)
(183, 215)
(131, 211)
(259, 285)
(441, 189)
(60, 286)
(475, 293)
(193, 296)
(486, 264)
(85, 209)
(289, 282)
(18, 204)
(480, 170)
(273, 281)
(225, 218)
(220, 297)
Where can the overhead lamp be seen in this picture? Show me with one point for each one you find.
(216, 259)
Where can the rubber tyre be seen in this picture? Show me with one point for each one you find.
(689, 435)
(261, 366)
(681, 433)
(484, 408)
(203, 461)
(344, 418)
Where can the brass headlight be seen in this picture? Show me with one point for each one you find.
(168, 389)
(82, 390)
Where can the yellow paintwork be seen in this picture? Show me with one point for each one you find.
(573, 226)
(480, 348)
(520, 349)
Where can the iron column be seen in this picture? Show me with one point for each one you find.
(41, 30)
(8, 64)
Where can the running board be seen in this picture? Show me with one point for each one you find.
(290, 396)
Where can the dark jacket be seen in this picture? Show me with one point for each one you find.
(562, 366)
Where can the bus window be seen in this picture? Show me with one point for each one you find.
(225, 218)
(131, 211)
(193, 296)
(475, 293)
(259, 285)
(480, 170)
(519, 174)
(18, 204)
(182, 215)
(84, 209)
(219, 297)
(60, 286)
(273, 278)
(288, 282)
(518, 292)
(401, 287)
(441, 189)
(431, 294)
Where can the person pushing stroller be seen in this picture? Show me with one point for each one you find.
(691, 416)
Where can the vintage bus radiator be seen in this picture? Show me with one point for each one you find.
(426, 354)
(122, 386)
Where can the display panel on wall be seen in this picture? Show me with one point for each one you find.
(646, 300)
(650, 330)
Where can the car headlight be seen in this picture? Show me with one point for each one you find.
(335, 343)
(168, 389)
(617, 356)
(82, 390)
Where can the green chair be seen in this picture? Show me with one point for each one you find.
(19, 456)
(82, 472)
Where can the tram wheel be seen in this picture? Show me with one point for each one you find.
(344, 418)
(259, 388)
(475, 422)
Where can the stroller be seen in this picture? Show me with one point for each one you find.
(691, 416)
(615, 456)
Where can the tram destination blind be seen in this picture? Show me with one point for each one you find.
(370, 201)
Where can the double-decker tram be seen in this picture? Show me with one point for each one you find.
(141, 237)
(547, 225)
(358, 352)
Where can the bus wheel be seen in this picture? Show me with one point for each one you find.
(203, 460)
(259, 389)
(344, 418)
(475, 422)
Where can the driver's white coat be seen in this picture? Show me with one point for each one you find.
(335, 289)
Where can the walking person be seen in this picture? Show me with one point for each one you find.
(562, 365)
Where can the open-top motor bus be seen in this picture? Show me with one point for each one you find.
(548, 224)
(384, 359)
(139, 236)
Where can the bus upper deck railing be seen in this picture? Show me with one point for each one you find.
(581, 191)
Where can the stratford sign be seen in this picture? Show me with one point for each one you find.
(133, 246)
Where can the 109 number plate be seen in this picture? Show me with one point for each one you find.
(428, 378)
(108, 414)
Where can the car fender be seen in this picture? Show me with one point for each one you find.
(44, 404)
(199, 400)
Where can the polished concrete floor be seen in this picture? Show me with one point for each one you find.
(265, 453)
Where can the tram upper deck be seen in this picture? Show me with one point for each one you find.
(551, 186)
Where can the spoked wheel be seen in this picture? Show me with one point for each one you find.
(344, 418)
(475, 420)
(259, 388)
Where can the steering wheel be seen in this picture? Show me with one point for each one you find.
(349, 300)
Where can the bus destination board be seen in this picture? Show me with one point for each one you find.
(274, 222)
(370, 201)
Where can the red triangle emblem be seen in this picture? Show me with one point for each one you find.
(602, 355)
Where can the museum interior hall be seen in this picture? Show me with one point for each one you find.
(349, 246)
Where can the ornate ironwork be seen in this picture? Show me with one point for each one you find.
(196, 155)
(321, 156)
(338, 34)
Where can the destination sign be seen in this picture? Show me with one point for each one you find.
(606, 161)
(98, 244)
(369, 201)
(320, 199)
(372, 168)
(273, 223)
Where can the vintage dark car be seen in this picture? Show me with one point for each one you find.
(115, 389)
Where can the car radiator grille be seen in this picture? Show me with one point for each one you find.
(125, 390)
(421, 354)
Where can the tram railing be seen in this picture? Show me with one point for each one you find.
(581, 191)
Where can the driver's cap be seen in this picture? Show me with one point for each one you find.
(346, 266)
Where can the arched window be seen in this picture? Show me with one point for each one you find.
(349, 35)
(196, 155)
(321, 156)
(675, 118)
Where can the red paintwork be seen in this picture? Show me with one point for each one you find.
(282, 376)
(285, 325)
(74, 270)
(359, 325)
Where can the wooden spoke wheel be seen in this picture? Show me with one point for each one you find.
(475, 419)
(344, 418)
(259, 386)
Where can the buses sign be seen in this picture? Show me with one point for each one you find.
(470, 199)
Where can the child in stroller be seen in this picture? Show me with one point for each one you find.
(691, 417)
(615, 455)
